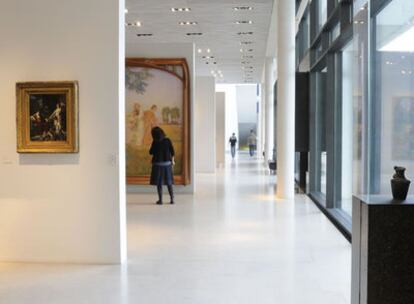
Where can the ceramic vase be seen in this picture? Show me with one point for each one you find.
(399, 184)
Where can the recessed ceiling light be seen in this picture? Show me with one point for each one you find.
(244, 33)
(208, 57)
(180, 9)
(135, 24)
(144, 35)
(199, 51)
(187, 23)
(194, 34)
(246, 50)
(244, 22)
(242, 8)
(247, 57)
(126, 11)
(246, 42)
(208, 50)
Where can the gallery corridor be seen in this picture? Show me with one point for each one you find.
(230, 243)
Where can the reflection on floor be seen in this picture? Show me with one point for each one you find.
(230, 243)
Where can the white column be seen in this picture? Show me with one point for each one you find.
(205, 116)
(269, 127)
(259, 124)
(262, 109)
(220, 128)
(286, 99)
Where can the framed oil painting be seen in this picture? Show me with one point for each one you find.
(157, 94)
(47, 117)
(403, 128)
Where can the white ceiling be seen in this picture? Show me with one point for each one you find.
(217, 21)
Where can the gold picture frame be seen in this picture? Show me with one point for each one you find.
(177, 68)
(47, 117)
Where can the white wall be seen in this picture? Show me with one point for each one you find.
(220, 128)
(247, 103)
(64, 208)
(169, 50)
(205, 117)
(232, 125)
(247, 111)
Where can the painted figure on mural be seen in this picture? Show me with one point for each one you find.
(150, 121)
(135, 125)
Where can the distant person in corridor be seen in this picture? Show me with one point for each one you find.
(252, 142)
(162, 152)
(233, 142)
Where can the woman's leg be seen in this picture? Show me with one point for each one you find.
(159, 190)
(171, 192)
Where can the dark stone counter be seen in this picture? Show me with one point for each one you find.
(382, 250)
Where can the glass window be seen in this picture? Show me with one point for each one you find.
(347, 109)
(297, 5)
(305, 28)
(336, 31)
(361, 105)
(318, 51)
(303, 37)
(321, 90)
(393, 93)
(322, 13)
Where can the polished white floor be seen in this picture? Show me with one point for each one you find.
(230, 243)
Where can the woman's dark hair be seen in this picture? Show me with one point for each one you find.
(157, 134)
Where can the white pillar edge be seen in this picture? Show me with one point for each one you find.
(286, 100)
(269, 107)
(121, 153)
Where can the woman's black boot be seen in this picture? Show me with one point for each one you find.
(171, 192)
(159, 190)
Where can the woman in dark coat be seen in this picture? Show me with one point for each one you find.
(162, 152)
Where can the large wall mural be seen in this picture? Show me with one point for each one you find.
(157, 94)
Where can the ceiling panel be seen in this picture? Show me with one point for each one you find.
(216, 20)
